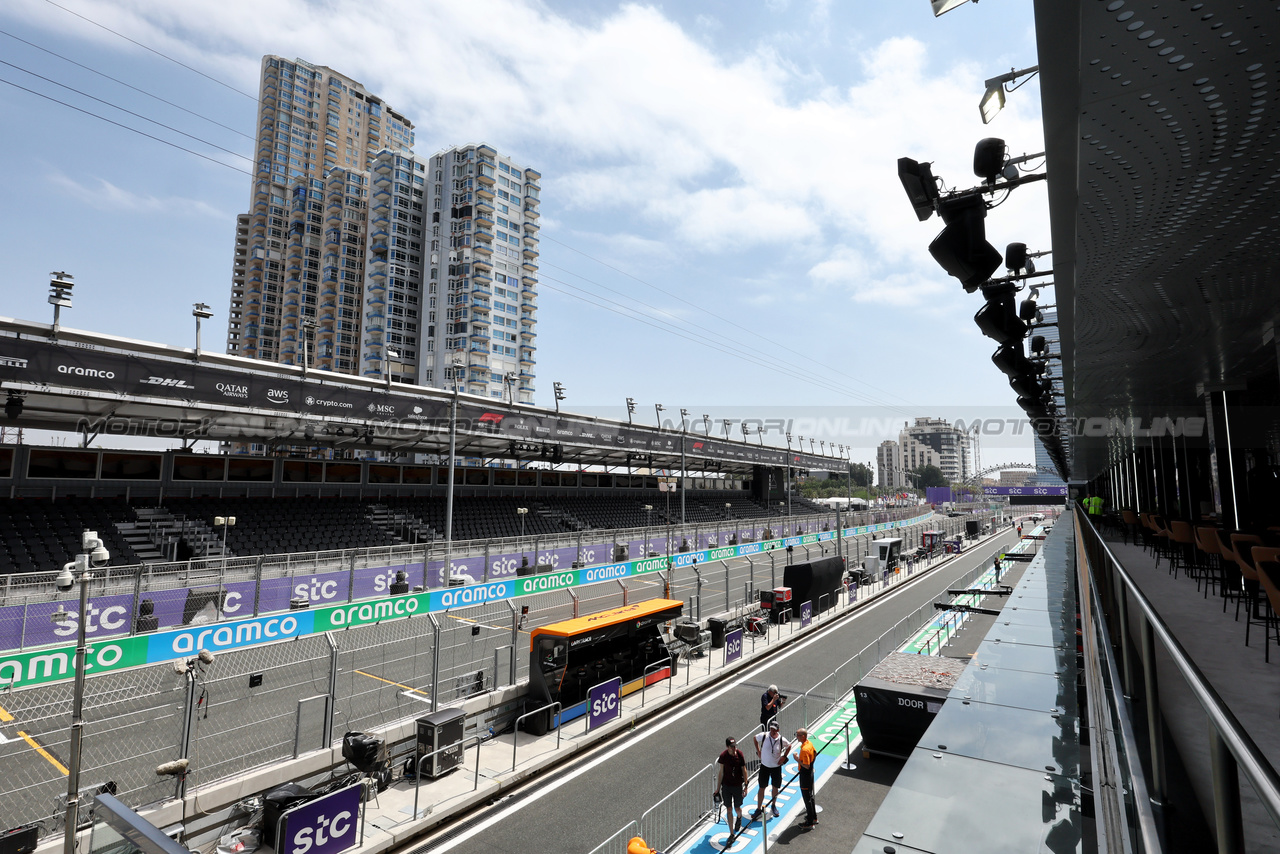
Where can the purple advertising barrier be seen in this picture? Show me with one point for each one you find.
(558, 558)
(471, 566)
(595, 553)
(604, 702)
(373, 581)
(732, 646)
(324, 588)
(326, 825)
(806, 614)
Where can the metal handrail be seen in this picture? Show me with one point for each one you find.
(515, 733)
(1255, 767)
(644, 677)
(417, 765)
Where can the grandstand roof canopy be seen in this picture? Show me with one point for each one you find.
(93, 384)
(1161, 157)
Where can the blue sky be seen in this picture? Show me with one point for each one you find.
(726, 167)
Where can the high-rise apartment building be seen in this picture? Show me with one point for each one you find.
(888, 471)
(483, 273)
(934, 442)
(360, 258)
(302, 251)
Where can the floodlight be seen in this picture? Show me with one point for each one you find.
(1038, 344)
(988, 159)
(996, 318)
(993, 99)
(922, 188)
(1010, 359)
(1027, 310)
(992, 103)
(1015, 257)
(13, 407)
(941, 6)
(962, 248)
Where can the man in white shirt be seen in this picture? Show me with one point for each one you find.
(772, 749)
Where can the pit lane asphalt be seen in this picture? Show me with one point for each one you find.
(575, 807)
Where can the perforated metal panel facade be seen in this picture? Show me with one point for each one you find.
(1161, 132)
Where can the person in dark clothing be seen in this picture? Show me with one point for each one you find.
(731, 783)
(770, 704)
(400, 585)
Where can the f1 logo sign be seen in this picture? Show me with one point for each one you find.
(733, 646)
(494, 418)
(604, 702)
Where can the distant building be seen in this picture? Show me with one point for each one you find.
(298, 275)
(888, 465)
(934, 442)
(484, 257)
(1012, 478)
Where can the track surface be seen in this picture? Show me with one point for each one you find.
(578, 806)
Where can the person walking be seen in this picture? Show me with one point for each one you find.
(806, 756)
(731, 783)
(772, 749)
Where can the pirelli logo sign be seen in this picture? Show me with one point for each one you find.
(11, 362)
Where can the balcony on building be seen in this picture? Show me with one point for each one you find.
(530, 251)
(487, 263)
(529, 264)
(483, 247)
(484, 191)
(484, 220)
(484, 205)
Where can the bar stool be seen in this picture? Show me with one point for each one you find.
(1242, 545)
(1130, 527)
(1232, 577)
(1269, 578)
(1210, 547)
(1161, 542)
(1182, 535)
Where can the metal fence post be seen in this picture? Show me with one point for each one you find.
(1227, 818)
(623, 585)
(725, 564)
(188, 730)
(435, 661)
(1155, 723)
(257, 584)
(485, 574)
(333, 688)
(697, 612)
(574, 597)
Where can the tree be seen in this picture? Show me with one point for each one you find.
(929, 476)
(861, 474)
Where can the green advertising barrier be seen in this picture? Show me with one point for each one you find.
(57, 664)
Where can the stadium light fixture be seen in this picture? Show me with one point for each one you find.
(921, 187)
(389, 355)
(657, 413)
(941, 7)
(13, 406)
(631, 408)
(559, 390)
(510, 379)
(993, 99)
(60, 286)
(997, 318)
(961, 248)
(200, 311)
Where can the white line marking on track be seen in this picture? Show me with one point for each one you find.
(502, 814)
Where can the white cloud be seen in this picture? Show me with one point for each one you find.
(104, 195)
(629, 115)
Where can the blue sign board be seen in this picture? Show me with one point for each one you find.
(604, 702)
(806, 614)
(324, 826)
(732, 646)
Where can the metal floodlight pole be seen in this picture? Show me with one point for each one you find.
(657, 414)
(77, 709)
(199, 311)
(684, 413)
(448, 504)
(308, 329)
(60, 286)
(631, 408)
(388, 354)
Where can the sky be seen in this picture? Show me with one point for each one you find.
(722, 225)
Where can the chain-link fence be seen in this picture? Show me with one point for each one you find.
(252, 707)
(133, 721)
(246, 706)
